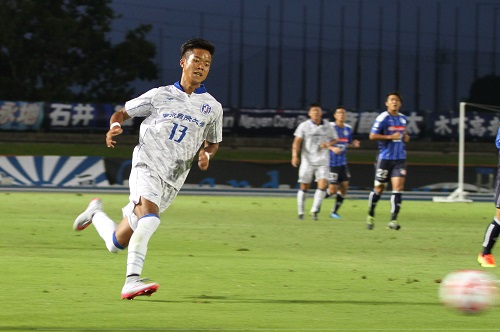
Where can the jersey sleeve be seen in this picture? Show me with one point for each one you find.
(141, 106)
(214, 129)
(299, 132)
(378, 124)
(497, 139)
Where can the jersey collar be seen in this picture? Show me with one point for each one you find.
(199, 90)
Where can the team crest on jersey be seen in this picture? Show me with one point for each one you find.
(206, 109)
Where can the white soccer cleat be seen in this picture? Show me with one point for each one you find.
(138, 287)
(85, 219)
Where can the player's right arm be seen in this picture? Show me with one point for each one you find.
(378, 137)
(115, 126)
(296, 145)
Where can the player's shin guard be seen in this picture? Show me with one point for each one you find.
(319, 196)
(301, 201)
(396, 199)
(491, 236)
(338, 202)
(138, 245)
(372, 202)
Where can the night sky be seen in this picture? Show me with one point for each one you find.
(287, 53)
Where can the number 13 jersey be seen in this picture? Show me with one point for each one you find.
(175, 126)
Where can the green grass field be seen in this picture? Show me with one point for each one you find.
(240, 264)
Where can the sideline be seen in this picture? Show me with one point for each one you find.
(230, 191)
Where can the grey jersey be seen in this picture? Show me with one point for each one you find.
(175, 128)
(312, 136)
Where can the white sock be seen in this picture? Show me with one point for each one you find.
(106, 229)
(138, 245)
(319, 196)
(301, 200)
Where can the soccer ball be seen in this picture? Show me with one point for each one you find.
(468, 291)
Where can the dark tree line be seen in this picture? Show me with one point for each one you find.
(485, 90)
(59, 50)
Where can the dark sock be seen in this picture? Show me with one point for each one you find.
(372, 202)
(396, 200)
(338, 202)
(490, 237)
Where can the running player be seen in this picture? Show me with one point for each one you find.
(312, 140)
(485, 258)
(182, 121)
(389, 129)
(340, 176)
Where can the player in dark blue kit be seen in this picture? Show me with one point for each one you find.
(339, 176)
(485, 258)
(390, 130)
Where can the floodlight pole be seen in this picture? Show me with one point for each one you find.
(461, 151)
(459, 195)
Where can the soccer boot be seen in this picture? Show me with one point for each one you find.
(486, 260)
(138, 287)
(85, 219)
(334, 215)
(393, 224)
(301, 217)
(370, 222)
(314, 215)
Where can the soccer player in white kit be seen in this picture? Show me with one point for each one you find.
(182, 121)
(313, 138)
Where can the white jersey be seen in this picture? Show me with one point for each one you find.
(175, 128)
(312, 136)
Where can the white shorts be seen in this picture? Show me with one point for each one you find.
(145, 182)
(308, 173)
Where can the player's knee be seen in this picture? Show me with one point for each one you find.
(113, 249)
(114, 246)
(380, 185)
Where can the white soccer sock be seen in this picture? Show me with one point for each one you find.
(138, 245)
(106, 228)
(301, 200)
(319, 196)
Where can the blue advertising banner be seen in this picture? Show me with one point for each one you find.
(84, 117)
(478, 126)
(62, 116)
(21, 115)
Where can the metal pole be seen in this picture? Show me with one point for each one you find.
(304, 59)
(240, 67)
(417, 63)
(341, 57)
(358, 61)
(461, 149)
(320, 52)
(268, 57)
(280, 57)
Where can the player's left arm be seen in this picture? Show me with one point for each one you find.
(354, 144)
(206, 153)
(406, 137)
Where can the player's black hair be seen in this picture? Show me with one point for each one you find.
(197, 43)
(394, 93)
(315, 104)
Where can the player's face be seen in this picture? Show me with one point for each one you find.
(393, 103)
(196, 65)
(340, 115)
(315, 113)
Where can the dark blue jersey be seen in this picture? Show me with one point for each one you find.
(387, 124)
(345, 138)
(497, 139)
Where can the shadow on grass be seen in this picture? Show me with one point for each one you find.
(226, 299)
